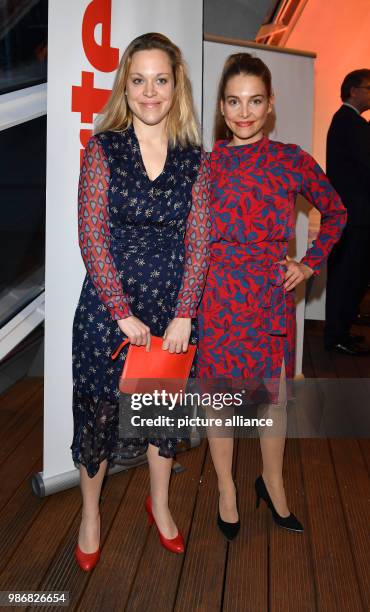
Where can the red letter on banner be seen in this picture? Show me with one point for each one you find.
(87, 99)
(84, 137)
(103, 57)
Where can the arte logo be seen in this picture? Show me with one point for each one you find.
(86, 98)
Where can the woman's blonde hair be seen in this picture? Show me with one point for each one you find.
(182, 126)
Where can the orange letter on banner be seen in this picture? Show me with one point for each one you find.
(87, 99)
(103, 57)
(84, 137)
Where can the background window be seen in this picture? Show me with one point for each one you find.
(22, 229)
(23, 43)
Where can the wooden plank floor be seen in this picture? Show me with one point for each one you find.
(264, 570)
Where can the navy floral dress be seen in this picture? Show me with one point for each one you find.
(131, 235)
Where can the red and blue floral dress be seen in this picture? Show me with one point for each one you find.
(241, 221)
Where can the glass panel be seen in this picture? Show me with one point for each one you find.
(23, 43)
(22, 227)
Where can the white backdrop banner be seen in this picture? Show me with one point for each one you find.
(86, 41)
(292, 79)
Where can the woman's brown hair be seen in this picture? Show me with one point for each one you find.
(238, 63)
(182, 126)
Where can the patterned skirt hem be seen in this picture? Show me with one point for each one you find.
(135, 448)
(96, 436)
(92, 468)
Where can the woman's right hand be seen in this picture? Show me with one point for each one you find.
(137, 332)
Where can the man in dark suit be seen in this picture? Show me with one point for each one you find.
(348, 168)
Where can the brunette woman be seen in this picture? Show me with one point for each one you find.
(134, 199)
(240, 225)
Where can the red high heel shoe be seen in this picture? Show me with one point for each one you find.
(175, 544)
(87, 561)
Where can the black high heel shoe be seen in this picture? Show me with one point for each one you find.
(287, 522)
(229, 530)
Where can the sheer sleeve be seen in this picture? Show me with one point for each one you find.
(317, 189)
(93, 228)
(197, 240)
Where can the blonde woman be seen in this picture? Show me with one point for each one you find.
(134, 198)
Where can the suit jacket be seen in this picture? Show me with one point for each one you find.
(348, 163)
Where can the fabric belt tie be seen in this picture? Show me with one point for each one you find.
(273, 318)
(273, 315)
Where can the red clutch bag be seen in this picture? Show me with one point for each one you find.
(146, 371)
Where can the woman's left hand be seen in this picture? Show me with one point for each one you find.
(296, 272)
(177, 334)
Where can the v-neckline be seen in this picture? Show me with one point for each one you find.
(140, 159)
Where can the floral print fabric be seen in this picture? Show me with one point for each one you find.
(240, 223)
(131, 235)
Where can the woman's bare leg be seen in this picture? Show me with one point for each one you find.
(160, 474)
(272, 448)
(89, 534)
(222, 456)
